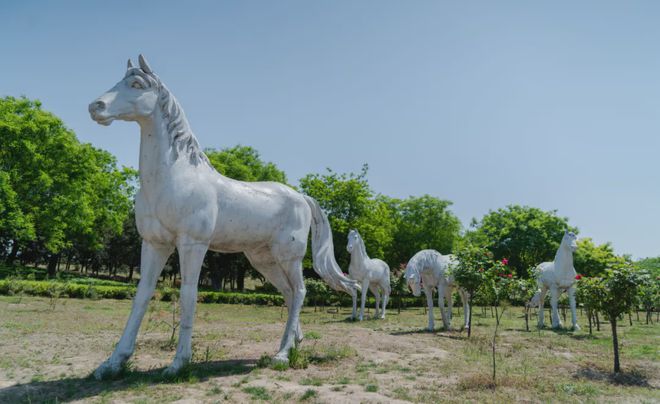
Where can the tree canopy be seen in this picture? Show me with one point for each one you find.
(55, 190)
(526, 236)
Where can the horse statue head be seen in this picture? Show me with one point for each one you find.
(134, 97)
(353, 239)
(570, 241)
(413, 278)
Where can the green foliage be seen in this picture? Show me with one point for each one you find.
(55, 191)
(526, 236)
(423, 223)
(650, 265)
(350, 203)
(649, 294)
(471, 273)
(99, 290)
(617, 291)
(593, 260)
(244, 163)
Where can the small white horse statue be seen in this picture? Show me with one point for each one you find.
(184, 202)
(371, 273)
(428, 270)
(558, 276)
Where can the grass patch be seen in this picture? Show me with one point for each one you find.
(371, 388)
(257, 393)
(311, 381)
(312, 335)
(309, 394)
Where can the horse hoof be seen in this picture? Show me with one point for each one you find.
(107, 370)
(281, 358)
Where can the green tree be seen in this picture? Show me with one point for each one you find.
(592, 260)
(650, 265)
(525, 235)
(617, 295)
(423, 222)
(241, 163)
(471, 273)
(64, 192)
(350, 203)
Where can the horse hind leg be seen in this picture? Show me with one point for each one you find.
(386, 296)
(374, 289)
(292, 270)
(268, 267)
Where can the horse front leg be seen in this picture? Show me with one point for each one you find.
(191, 256)
(442, 291)
(541, 302)
(554, 301)
(365, 287)
(466, 307)
(354, 296)
(429, 301)
(571, 302)
(152, 260)
(450, 302)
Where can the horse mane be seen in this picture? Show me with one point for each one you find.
(183, 141)
(361, 246)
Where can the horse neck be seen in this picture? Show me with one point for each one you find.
(564, 258)
(359, 255)
(160, 152)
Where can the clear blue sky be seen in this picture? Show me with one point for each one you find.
(553, 105)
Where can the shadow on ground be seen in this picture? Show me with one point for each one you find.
(77, 388)
(631, 377)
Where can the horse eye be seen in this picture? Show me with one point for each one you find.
(136, 85)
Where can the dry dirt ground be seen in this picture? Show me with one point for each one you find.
(49, 348)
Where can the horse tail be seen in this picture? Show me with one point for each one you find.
(323, 252)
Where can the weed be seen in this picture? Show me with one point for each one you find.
(309, 393)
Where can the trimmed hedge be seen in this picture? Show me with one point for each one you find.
(55, 288)
(91, 291)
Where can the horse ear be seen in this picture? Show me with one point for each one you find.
(144, 65)
(129, 65)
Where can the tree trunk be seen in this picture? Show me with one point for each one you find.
(470, 318)
(527, 319)
(615, 345)
(589, 315)
(597, 322)
(630, 319)
(240, 278)
(52, 265)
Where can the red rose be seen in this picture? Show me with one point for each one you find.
(578, 277)
(510, 276)
(505, 261)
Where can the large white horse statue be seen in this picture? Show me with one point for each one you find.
(557, 276)
(371, 273)
(428, 269)
(185, 203)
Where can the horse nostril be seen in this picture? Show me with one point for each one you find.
(98, 106)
